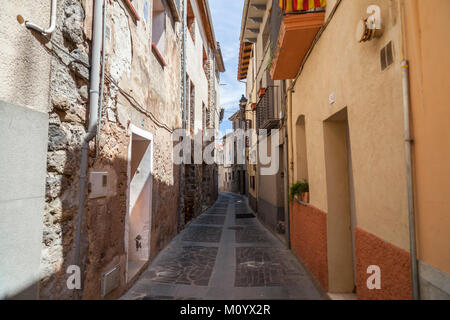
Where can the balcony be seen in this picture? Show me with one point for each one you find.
(296, 36)
(266, 117)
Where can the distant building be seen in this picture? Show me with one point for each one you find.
(343, 102)
(265, 110)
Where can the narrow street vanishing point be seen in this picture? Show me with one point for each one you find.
(224, 149)
(225, 254)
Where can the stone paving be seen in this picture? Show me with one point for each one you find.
(225, 254)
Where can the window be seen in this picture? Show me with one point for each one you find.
(191, 20)
(301, 168)
(192, 107)
(203, 116)
(248, 126)
(159, 30)
(208, 118)
(205, 63)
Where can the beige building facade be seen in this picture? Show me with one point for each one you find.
(347, 139)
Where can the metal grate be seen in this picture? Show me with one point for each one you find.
(265, 110)
(386, 56)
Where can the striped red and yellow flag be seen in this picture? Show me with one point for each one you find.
(301, 5)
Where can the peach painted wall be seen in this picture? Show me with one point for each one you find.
(428, 50)
(351, 71)
(394, 264)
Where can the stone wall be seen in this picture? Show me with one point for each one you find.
(150, 98)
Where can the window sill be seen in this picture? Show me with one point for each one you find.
(132, 10)
(158, 55)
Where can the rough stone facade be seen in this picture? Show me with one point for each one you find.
(147, 91)
(201, 180)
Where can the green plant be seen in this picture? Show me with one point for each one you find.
(305, 186)
(298, 188)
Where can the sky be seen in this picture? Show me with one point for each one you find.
(226, 16)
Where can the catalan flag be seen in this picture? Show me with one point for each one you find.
(301, 5)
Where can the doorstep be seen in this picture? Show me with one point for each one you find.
(342, 296)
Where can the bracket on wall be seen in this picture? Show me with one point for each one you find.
(371, 27)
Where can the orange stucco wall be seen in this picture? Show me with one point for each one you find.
(394, 263)
(309, 239)
(427, 27)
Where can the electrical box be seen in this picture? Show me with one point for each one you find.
(110, 281)
(98, 184)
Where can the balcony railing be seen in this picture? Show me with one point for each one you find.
(266, 117)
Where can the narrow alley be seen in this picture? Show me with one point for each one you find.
(224, 150)
(225, 254)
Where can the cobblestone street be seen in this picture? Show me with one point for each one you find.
(225, 254)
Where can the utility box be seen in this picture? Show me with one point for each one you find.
(98, 184)
(110, 281)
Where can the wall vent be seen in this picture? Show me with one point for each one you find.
(110, 281)
(386, 56)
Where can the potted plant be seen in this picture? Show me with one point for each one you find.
(295, 190)
(300, 190)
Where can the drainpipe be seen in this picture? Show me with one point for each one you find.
(183, 108)
(286, 178)
(102, 83)
(290, 173)
(93, 114)
(290, 130)
(50, 29)
(411, 213)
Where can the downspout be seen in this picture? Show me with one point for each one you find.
(411, 213)
(102, 83)
(408, 146)
(93, 114)
(52, 27)
(183, 111)
(286, 166)
(290, 152)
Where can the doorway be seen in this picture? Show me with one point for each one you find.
(341, 217)
(139, 209)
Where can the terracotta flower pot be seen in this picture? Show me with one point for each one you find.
(305, 197)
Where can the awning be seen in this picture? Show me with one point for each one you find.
(301, 5)
(244, 59)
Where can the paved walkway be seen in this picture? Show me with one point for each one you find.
(225, 254)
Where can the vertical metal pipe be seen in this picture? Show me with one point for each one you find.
(290, 151)
(180, 191)
(102, 83)
(52, 26)
(411, 214)
(286, 178)
(93, 115)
